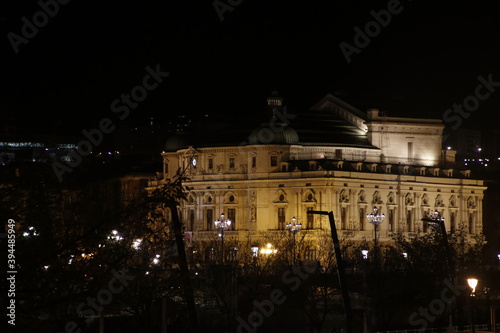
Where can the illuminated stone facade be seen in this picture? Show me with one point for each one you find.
(332, 157)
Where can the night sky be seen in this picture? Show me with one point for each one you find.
(65, 78)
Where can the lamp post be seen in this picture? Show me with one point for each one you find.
(222, 225)
(255, 253)
(437, 221)
(293, 227)
(375, 218)
(472, 284)
(340, 268)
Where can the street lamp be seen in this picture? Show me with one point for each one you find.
(437, 221)
(375, 218)
(293, 227)
(222, 225)
(340, 268)
(472, 284)
(365, 254)
(255, 253)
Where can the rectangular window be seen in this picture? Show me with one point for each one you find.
(391, 220)
(410, 150)
(231, 163)
(254, 161)
(338, 154)
(362, 218)
(452, 222)
(343, 218)
(471, 223)
(231, 215)
(409, 218)
(274, 161)
(210, 163)
(191, 220)
(281, 218)
(310, 219)
(210, 218)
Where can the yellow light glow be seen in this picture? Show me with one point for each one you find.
(268, 249)
(472, 283)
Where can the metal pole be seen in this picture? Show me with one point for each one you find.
(375, 245)
(340, 269)
(472, 317)
(446, 245)
(222, 249)
(294, 255)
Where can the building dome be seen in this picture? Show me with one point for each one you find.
(179, 140)
(273, 133)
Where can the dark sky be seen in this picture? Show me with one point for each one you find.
(65, 78)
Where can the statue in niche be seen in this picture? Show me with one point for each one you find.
(362, 197)
(471, 203)
(343, 197)
(425, 200)
(377, 199)
(390, 198)
(408, 199)
(253, 213)
(439, 201)
(453, 201)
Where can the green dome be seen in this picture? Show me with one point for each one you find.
(273, 133)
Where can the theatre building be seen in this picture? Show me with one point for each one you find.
(330, 157)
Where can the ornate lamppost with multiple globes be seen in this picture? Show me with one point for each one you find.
(222, 225)
(375, 218)
(294, 227)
